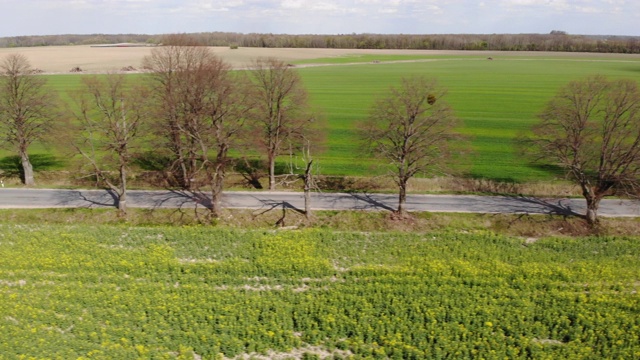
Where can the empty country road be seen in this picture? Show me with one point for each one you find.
(53, 198)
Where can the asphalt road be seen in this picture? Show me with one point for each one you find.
(45, 198)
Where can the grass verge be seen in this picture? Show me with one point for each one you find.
(528, 226)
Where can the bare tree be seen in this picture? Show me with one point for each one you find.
(170, 69)
(203, 108)
(591, 128)
(27, 109)
(110, 117)
(410, 129)
(219, 106)
(281, 113)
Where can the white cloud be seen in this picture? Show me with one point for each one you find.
(325, 6)
(292, 4)
(588, 9)
(314, 16)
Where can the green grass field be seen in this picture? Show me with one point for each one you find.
(364, 58)
(115, 292)
(496, 101)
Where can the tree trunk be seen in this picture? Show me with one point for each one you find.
(216, 177)
(307, 190)
(593, 202)
(184, 176)
(217, 184)
(122, 196)
(122, 202)
(27, 169)
(593, 197)
(402, 198)
(272, 172)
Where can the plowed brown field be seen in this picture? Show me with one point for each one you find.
(61, 59)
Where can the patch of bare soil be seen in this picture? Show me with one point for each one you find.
(299, 353)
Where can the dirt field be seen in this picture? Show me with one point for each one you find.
(61, 59)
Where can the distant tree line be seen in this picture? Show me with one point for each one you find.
(556, 40)
(69, 39)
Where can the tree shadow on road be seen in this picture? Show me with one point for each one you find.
(270, 205)
(70, 199)
(369, 203)
(548, 207)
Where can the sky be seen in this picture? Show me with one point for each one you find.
(51, 17)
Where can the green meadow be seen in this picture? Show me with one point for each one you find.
(496, 100)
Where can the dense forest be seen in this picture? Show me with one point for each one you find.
(554, 41)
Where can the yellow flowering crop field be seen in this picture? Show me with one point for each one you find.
(115, 292)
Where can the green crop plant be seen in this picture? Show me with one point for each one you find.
(496, 100)
(176, 292)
